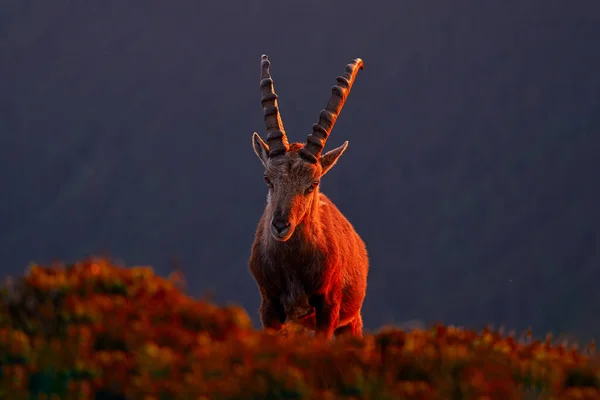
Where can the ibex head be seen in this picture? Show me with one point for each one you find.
(293, 171)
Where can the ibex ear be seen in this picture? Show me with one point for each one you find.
(260, 148)
(329, 159)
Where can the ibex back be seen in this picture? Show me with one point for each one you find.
(308, 261)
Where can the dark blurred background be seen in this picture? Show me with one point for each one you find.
(472, 172)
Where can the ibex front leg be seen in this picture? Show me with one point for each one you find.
(272, 314)
(327, 309)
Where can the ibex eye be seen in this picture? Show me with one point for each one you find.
(267, 180)
(312, 186)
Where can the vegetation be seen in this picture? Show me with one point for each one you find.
(94, 330)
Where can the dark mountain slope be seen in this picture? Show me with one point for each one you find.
(472, 171)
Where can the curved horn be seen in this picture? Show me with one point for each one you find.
(276, 137)
(315, 141)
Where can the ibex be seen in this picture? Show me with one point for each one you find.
(308, 261)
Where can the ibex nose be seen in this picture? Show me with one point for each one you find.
(281, 226)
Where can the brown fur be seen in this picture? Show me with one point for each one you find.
(323, 266)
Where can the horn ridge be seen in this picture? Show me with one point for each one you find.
(276, 136)
(315, 141)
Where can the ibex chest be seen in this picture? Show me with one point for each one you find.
(295, 271)
(298, 280)
(299, 271)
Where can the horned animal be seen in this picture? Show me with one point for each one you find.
(309, 263)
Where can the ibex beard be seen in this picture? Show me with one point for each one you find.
(309, 263)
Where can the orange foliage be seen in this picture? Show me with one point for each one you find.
(76, 331)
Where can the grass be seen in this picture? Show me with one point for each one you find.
(94, 330)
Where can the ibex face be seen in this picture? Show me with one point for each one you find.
(293, 171)
(292, 183)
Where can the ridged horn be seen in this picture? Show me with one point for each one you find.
(315, 141)
(276, 137)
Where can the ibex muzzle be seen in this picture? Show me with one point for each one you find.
(281, 227)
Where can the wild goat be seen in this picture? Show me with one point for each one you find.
(308, 261)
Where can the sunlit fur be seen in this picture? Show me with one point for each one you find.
(318, 275)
